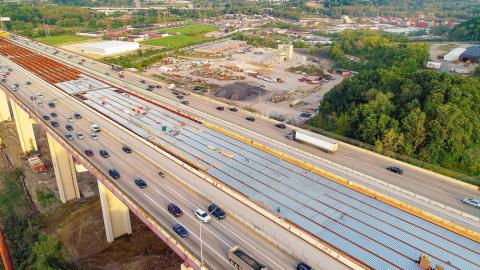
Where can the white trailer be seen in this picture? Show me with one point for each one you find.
(322, 142)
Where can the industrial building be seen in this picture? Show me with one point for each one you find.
(220, 47)
(108, 47)
(454, 54)
(472, 55)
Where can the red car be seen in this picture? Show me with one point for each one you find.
(89, 153)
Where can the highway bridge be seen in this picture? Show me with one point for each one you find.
(305, 212)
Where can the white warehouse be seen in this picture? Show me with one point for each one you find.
(108, 47)
(454, 54)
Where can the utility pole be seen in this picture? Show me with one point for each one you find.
(7, 262)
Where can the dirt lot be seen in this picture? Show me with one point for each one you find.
(79, 225)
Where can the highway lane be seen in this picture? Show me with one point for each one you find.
(230, 229)
(414, 180)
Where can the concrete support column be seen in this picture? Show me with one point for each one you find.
(24, 129)
(116, 215)
(5, 114)
(64, 171)
(185, 267)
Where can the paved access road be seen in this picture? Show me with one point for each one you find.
(414, 180)
(218, 236)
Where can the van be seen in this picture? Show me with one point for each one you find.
(95, 128)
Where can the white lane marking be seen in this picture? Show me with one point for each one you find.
(227, 229)
(198, 222)
(190, 231)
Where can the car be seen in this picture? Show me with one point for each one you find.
(53, 114)
(80, 136)
(127, 149)
(185, 102)
(180, 96)
(158, 86)
(40, 104)
(303, 266)
(39, 95)
(28, 83)
(216, 211)
(89, 153)
(94, 136)
(104, 153)
(51, 104)
(394, 169)
(55, 123)
(69, 137)
(233, 109)
(161, 174)
(70, 119)
(202, 215)
(281, 126)
(472, 202)
(69, 127)
(46, 117)
(220, 108)
(143, 81)
(174, 210)
(140, 183)
(180, 230)
(114, 173)
(250, 118)
(95, 128)
(77, 116)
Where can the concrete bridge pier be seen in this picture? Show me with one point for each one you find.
(116, 215)
(24, 129)
(185, 267)
(64, 171)
(5, 114)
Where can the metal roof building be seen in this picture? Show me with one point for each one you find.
(472, 54)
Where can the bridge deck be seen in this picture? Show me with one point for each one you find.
(372, 232)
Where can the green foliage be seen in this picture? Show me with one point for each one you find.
(270, 40)
(191, 29)
(176, 41)
(47, 255)
(396, 105)
(45, 197)
(467, 30)
(376, 50)
(55, 40)
(139, 60)
(16, 219)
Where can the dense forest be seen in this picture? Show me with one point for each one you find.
(396, 105)
(459, 9)
(467, 30)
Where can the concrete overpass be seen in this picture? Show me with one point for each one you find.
(115, 102)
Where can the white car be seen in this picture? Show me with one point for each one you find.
(202, 215)
(472, 202)
(39, 95)
(70, 119)
(95, 128)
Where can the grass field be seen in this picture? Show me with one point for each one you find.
(177, 41)
(191, 29)
(56, 40)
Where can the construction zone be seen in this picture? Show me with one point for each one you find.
(260, 79)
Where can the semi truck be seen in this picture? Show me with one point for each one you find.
(322, 142)
(243, 261)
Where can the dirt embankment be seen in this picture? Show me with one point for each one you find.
(83, 236)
